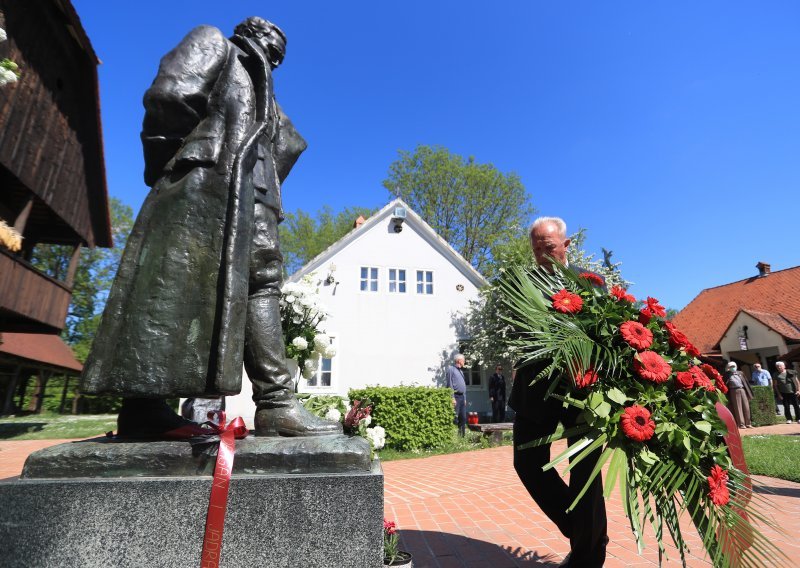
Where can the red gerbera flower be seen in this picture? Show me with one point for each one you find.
(712, 373)
(718, 486)
(651, 309)
(594, 279)
(650, 366)
(678, 340)
(637, 424)
(389, 527)
(621, 294)
(701, 379)
(567, 302)
(685, 380)
(636, 335)
(587, 379)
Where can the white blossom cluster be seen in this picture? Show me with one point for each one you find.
(377, 437)
(301, 317)
(9, 71)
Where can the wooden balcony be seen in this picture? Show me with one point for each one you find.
(30, 301)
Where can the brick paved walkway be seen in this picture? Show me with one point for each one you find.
(469, 510)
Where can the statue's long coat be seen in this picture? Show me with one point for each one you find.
(174, 321)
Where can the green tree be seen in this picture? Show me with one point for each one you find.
(93, 278)
(304, 236)
(474, 207)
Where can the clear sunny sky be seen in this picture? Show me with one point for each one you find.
(669, 130)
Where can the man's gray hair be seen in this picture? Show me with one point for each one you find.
(557, 221)
(459, 357)
(731, 365)
(781, 363)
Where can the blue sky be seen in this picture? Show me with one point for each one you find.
(670, 131)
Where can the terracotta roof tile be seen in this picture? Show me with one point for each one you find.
(40, 348)
(709, 315)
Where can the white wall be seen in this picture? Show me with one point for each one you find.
(389, 338)
(392, 338)
(759, 337)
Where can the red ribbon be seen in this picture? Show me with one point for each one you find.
(736, 544)
(218, 501)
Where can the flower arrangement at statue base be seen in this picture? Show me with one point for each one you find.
(392, 555)
(302, 316)
(647, 408)
(355, 419)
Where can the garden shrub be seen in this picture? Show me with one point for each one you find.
(762, 407)
(414, 417)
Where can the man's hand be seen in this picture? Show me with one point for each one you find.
(454, 403)
(491, 399)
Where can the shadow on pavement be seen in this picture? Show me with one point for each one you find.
(432, 549)
(13, 429)
(765, 489)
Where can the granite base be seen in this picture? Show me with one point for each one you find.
(291, 521)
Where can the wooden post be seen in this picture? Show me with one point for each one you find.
(8, 404)
(73, 265)
(64, 394)
(23, 388)
(22, 218)
(35, 405)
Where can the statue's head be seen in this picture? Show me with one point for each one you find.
(267, 35)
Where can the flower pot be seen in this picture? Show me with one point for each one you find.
(402, 559)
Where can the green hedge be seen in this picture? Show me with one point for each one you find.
(414, 417)
(762, 407)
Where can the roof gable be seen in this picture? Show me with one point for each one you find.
(774, 298)
(427, 233)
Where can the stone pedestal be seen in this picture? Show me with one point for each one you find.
(303, 519)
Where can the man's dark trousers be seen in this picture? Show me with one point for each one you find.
(461, 413)
(586, 525)
(499, 410)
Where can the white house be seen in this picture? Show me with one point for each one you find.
(397, 294)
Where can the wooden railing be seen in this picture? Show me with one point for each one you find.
(29, 299)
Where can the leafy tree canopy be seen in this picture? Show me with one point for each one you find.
(304, 236)
(474, 207)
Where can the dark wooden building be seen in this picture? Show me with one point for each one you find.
(52, 172)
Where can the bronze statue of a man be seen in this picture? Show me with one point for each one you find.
(198, 288)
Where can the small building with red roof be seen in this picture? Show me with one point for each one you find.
(748, 321)
(26, 355)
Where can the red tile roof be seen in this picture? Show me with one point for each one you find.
(777, 323)
(775, 298)
(40, 348)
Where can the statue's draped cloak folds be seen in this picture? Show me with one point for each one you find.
(174, 321)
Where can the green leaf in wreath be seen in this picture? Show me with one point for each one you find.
(617, 396)
(603, 410)
(703, 426)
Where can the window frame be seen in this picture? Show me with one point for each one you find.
(368, 280)
(397, 282)
(424, 283)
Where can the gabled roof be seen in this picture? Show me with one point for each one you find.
(38, 348)
(777, 323)
(774, 298)
(412, 219)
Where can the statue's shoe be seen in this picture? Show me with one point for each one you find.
(293, 420)
(141, 419)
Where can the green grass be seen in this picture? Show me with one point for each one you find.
(773, 456)
(54, 426)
